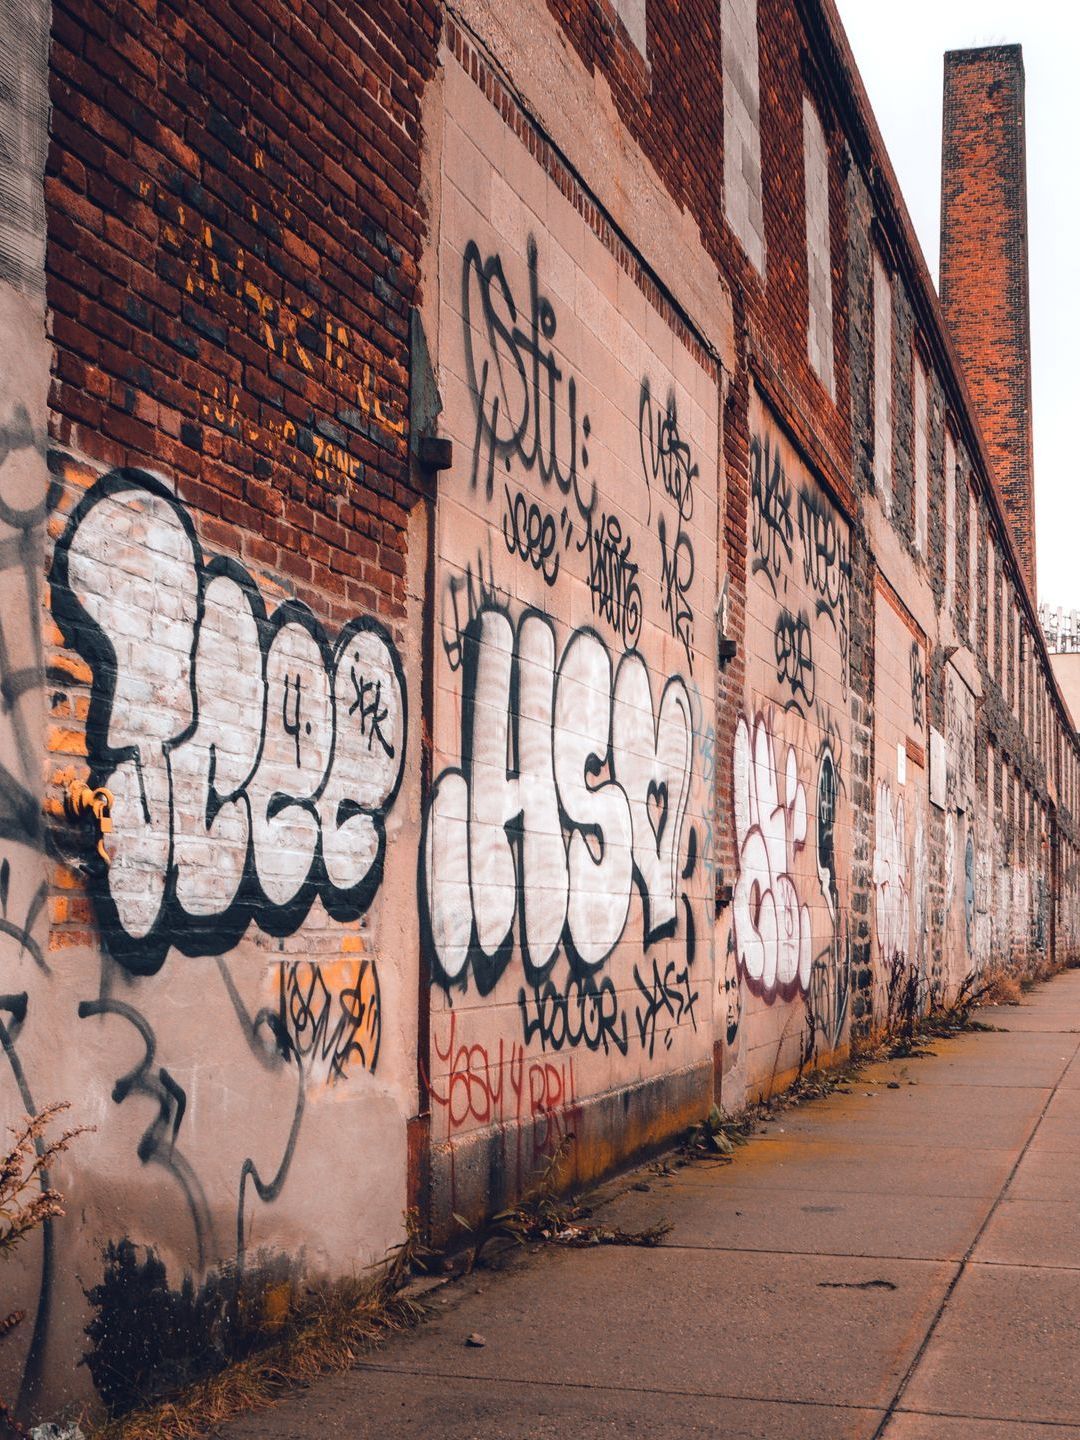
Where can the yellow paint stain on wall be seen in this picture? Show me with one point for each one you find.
(66, 741)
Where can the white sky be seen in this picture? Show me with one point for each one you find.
(899, 52)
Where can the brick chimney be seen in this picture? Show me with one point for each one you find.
(984, 265)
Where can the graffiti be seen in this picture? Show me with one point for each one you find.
(960, 742)
(828, 799)
(463, 598)
(28, 494)
(828, 995)
(919, 867)
(950, 861)
(732, 994)
(795, 658)
(826, 567)
(891, 907)
(526, 409)
(585, 1013)
(918, 685)
(502, 1087)
(572, 787)
(533, 533)
(665, 456)
(331, 1013)
(772, 530)
(252, 765)
(969, 890)
(666, 1000)
(613, 582)
(705, 739)
(1040, 911)
(772, 926)
(158, 1145)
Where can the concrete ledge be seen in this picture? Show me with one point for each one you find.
(481, 1172)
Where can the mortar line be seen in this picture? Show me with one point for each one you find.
(905, 1380)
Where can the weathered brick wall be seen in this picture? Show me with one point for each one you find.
(234, 527)
(984, 265)
(793, 775)
(561, 790)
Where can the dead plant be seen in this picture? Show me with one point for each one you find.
(545, 1215)
(25, 1169)
(1002, 988)
(328, 1329)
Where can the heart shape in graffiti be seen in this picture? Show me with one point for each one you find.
(654, 769)
(656, 804)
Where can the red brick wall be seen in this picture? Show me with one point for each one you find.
(234, 235)
(984, 265)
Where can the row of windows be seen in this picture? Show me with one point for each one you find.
(743, 202)
(1008, 650)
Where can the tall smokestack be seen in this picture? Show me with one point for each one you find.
(984, 265)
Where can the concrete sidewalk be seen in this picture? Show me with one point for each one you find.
(899, 1263)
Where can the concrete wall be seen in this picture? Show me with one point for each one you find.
(565, 875)
(676, 724)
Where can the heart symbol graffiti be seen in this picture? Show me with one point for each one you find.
(656, 803)
(654, 768)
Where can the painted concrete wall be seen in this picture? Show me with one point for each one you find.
(565, 875)
(790, 761)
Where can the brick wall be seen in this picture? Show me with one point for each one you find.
(234, 237)
(643, 756)
(984, 265)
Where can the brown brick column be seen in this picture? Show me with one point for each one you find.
(984, 264)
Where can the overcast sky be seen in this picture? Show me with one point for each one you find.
(899, 52)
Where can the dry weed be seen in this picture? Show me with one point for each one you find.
(328, 1330)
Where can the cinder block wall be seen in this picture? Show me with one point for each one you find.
(666, 730)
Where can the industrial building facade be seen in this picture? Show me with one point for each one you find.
(519, 613)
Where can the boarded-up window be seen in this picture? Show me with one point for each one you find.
(632, 14)
(973, 570)
(883, 384)
(950, 524)
(742, 135)
(921, 442)
(819, 330)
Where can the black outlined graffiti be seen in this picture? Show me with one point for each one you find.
(33, 1376)
(794, 642)
(585, 1012)
(288, 753)
(613, 582)
(830, 980)
(666, 1001)
(571, 771)
(969, 890)
(534, 534)
(158, 1145)
(464, 596)
(826, 567)
(28, 494)
(333, 1019)
(771, 923)
(828, 800)
(918, 685)
(526, 409)
(829, 994)
(665, 458)
(772, 530)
